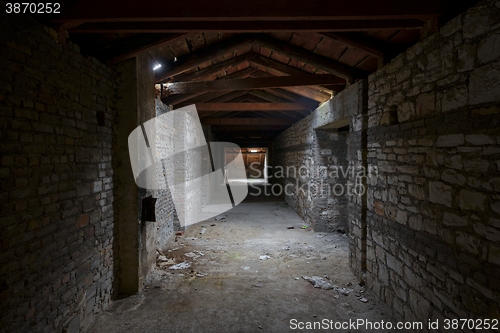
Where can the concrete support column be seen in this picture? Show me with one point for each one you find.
(135, 240)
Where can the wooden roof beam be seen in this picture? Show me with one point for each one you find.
(202, 56)
(252, 107)
(246, 121)
(245, 26)
(217, 68)
(246, 84)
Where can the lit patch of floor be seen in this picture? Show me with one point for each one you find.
(246, 275)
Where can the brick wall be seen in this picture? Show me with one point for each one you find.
(56, 110)
(434, 211)
(166, 217)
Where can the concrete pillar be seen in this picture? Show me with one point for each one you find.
(135, 240)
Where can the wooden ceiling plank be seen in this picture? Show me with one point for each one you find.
(309, 58)
(145, 48)
(276, 68)
(359, 42)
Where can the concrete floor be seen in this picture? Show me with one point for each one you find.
(229, 288)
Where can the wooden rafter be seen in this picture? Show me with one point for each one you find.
(252, 107)
(245, 84)
(245, 26)
(253, 128)
(207, 54)
(246, 121)
(217, 68)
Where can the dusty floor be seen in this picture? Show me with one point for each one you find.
(246, 275)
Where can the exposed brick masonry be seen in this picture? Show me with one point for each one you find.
(56, 181)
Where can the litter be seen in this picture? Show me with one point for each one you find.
(290, 227)
(318, 282)
(364, 300)
(182, 265)
(246, 268)
(264, 257)
(203, 231)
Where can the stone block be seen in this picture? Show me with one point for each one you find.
(420, 306)
(477, 21)
(489, 49)
(454, 98)
(479, 139)
(466, 56)
(415, 222)
(451, 176)
(394, 264)
(494, 255)
(426, 104)
(416, 191)
(453, 220)
(450, 140)
(401, 216)
(468, 242)
(471, 200)
(476, 165)
(440, 193)
(484, 84)
(406, 111)
(488, 233)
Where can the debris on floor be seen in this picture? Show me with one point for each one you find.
(291, 228)
(167, 262)
(318, 282)
(182, 265)
(343, 291)
(264, 257)
(203, 230)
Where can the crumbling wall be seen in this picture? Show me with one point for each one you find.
(434, 211)
(313, 164)
(56, 180)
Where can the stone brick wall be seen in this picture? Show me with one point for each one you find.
(56, 181)
(313, 162)
(434, 211)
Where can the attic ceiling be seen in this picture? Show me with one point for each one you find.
(252, 68)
